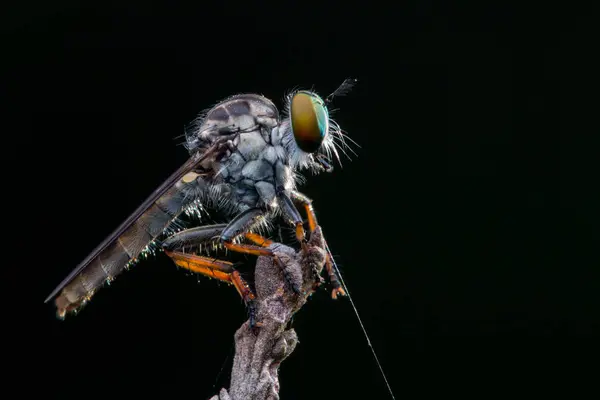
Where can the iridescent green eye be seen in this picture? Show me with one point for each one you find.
(310, 121)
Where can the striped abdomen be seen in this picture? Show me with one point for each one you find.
(126, 247)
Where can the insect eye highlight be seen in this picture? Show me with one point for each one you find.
(310, 121)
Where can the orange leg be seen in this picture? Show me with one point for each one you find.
(213, 268)
(258, 239)
(300, 234)
(312, 224)
(206, 233)
(264, 242)
(293, 216)
(218, 269)
(199, 264)
(262, 251)
(248, 249)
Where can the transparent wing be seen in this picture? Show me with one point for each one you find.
(140, 229)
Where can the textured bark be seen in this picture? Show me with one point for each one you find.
(259, 353)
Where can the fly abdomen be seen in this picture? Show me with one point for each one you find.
(130, 244)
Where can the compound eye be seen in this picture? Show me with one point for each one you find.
(310, 121)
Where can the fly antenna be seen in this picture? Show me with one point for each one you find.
(342, 90)
(337, 270)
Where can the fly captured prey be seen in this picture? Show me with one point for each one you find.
(245, 160)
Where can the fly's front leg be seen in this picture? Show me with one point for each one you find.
(221, 270)
(312, 225)
(292, 214)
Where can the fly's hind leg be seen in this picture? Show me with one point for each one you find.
(211, 267)
(225, 234)
(241, 226)
(312, 225)
(218, 269)
(264, 242)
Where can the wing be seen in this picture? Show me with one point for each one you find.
(126, 243)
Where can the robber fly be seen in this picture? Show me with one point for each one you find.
(244, 157)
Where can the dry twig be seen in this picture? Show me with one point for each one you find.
(259, 354)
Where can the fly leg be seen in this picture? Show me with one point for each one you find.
(291, 213)
(264, 242)
(221, 270)
(293, 216)
(312, 225)
(241, 225)
(225, 234)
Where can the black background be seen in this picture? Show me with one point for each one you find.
(466, 228)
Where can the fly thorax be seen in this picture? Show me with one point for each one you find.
(250, 144)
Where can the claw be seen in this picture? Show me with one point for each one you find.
(337, 292)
